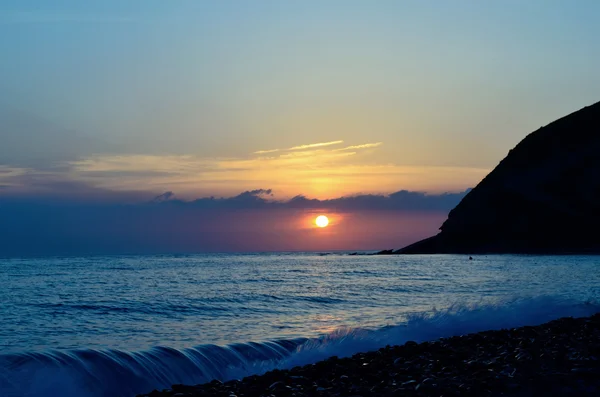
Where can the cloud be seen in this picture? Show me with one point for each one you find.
(314, 145)
(166, 196)
(7, 172)
(402, 200)
(363, 146)
(316, 148)
(318, 173)
(318, 170)
(259, 192)
(300, 147)
(54, 189)
(253, 220)
(266, 151)
(26, 185)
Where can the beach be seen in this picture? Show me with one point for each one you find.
(558, 358)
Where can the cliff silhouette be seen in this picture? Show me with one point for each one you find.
(543, 197)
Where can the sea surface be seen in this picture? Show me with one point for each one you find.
(121, 325)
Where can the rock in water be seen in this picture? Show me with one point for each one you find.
(544, 197)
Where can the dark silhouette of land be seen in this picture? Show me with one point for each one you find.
(543, 198)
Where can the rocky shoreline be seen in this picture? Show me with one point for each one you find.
(559, 358)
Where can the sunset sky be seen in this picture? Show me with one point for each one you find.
(105, 105)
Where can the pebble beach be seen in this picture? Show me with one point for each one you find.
(559, 358)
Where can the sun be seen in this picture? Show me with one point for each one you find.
(322, 221)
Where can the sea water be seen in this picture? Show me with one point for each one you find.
(121, 325)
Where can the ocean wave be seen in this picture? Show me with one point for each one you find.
(99, 373)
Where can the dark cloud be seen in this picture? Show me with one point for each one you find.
(85, 220)
(166, 196)
(262, 198)
(401, 200)
(43, 188)
(252, 199)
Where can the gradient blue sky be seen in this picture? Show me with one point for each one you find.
(439, 84)
(129, 99)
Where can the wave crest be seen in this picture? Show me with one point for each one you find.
(96, 373)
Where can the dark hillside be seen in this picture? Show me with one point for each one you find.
(544, 197)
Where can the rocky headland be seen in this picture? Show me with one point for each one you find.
(543, 198)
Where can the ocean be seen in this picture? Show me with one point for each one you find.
(121, 325)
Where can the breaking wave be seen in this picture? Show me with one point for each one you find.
(100, 373)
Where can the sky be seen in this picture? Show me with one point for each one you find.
(109, 104)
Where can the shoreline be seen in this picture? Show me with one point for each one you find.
(558, 358)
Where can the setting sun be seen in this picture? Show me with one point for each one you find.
(322, 221)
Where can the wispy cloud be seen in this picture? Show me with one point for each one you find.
(8, 174)
(319, 170)
(314, 145)
(363, 146)
(266, 151)
(316, 173)
(300, 147)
